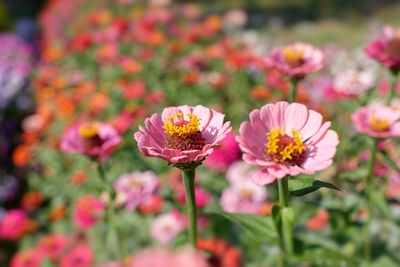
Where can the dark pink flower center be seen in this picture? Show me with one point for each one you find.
(285, 149)
(183, 135)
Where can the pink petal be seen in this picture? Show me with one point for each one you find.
(262, 177)
(296, 116)
(312, 125)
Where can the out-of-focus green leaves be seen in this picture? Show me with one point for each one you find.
(303, 185)
(261, 226)
(359, 173)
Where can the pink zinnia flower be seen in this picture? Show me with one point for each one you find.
(227, 153)
(386, 49)
(94, 139)
(13, 225)
(377, 121)
(286, 139)
(245, 197)
(353, 82)
(295, 60)
(167, 226)
(166, 258)
(138, 188)
(183, 136)
(80, 256)
(27, 258)
(52, 245)
(87, 211)
(242, 195)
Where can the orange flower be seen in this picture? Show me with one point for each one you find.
(52, 53)
(21, 155)
(223, 254)
(98, 102)
(65, 105)
(84, 89)
(260, 92)
(191, 77)
(319, 221)
(156, 38)
(31, 200)
(59, 82)
(131, 67)
(213, 23)
(265, 209)
(78, 177)
(57, 213)
(107, 52)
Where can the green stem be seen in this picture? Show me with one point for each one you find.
(292, 93)
(188, 182)
(393, 80)
(283, 192)
(282, 262)
(368, 180)
(102, 173)
(110, 210)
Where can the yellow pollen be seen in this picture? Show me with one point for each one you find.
(88, 129)
(378, 125)
(176, 125)
(273, 137)
(284, 153)
(292, 54)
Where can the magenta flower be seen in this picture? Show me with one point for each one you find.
(88, 210)
(94, 139)
(167, 226)
(222, 157)
(386, 49)
(378, 121)
(80, 256)
(13, 225)
(286, 139)
(52, 245)
(137, 188)
(183, 136)
(295, 60)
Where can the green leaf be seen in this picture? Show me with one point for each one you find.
(389, 161)
(276, 215)
(304, 185)
(359, 173)
(326, 257)
(262, 226)
(378, 198)
(287, 225)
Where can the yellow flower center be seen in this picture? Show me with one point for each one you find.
(379, 125)
(181, 127)
(285, 149)
(246, 193)
(88, 129)
(183, 134)
(293, 56)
